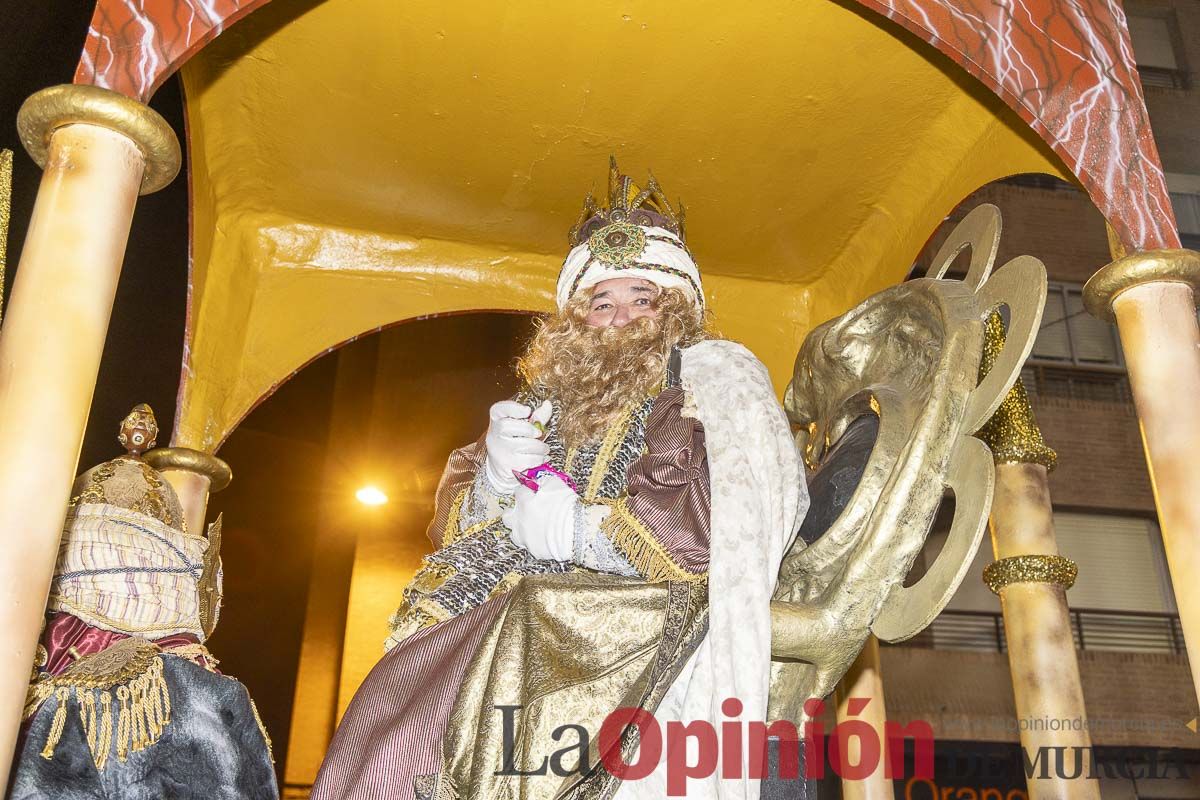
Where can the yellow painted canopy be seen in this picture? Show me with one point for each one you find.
(357, 163)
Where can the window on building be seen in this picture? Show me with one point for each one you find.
(1070, 336)
(1187, 212)
(1121, 601)
(1120, 560)
(1185, 200)
(1154, 47)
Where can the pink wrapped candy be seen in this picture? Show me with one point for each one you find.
(530, 476)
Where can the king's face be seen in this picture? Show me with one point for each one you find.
(618, 301)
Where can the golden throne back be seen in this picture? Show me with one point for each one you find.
(888, 396)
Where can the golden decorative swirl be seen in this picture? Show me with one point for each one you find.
(1058, 570)
(909, 355)
(1012, 434)
(189, 460)
(57, 106)
(1178, 266)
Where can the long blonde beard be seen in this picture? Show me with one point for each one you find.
(595, 374)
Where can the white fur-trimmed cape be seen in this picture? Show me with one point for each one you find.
(759, 498)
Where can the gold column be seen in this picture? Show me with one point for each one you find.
(864, 681)
(1032, 579)
(194, 476)
(99, 150)
(1152, 298)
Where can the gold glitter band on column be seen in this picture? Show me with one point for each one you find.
(1012, 433)
(1030, 569)
(6, 164)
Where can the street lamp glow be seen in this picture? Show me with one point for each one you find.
(371, 496)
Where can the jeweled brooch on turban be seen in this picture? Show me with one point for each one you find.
(618, 244)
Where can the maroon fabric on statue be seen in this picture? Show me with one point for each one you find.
(64, 631)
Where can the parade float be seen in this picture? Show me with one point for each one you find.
(358, 164)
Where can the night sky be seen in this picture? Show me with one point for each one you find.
(39, 47)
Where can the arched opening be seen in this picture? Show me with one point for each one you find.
(311, 573)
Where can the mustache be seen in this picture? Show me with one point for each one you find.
(643, 329)
(623, 348)
(631, 328)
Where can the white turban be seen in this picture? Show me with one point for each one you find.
(124, 571)
(655, 254)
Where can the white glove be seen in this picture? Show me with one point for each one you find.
(543, 522)
(514, 443)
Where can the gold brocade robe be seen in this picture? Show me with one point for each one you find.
(566, 651)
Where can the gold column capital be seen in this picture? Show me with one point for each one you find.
(1177, 266)
(188, 460)
(1012, 433)
(56, 106)
(1034, 568)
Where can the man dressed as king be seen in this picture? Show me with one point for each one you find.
(612, 541)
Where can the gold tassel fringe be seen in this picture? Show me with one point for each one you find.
(450, 533)
(143, 707)
(106, 730)
(59, 722)
(641, 549)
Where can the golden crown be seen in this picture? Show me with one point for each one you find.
(627, 203)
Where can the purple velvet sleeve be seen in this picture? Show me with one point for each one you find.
(668, 488)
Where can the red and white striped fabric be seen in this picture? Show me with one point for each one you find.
(392, 731)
